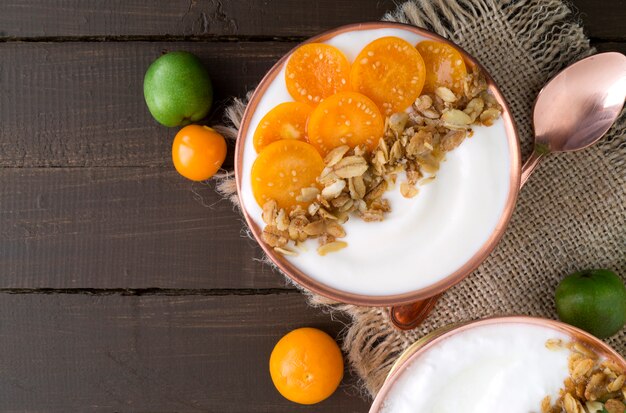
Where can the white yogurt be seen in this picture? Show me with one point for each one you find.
(423, 239)
(492, 368)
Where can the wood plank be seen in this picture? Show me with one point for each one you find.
(121, 228)
(32, 18)
(28, 18)
(602, 19)
(71, 353)
(81, 104)
(610, 46)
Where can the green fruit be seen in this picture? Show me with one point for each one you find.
(593, 300)
(177, 89)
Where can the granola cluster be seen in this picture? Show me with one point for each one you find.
(594, 385)
(355, 180)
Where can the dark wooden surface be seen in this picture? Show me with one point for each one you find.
(124, 287)
(79, 352)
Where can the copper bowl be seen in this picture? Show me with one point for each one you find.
(411, 307)
(433, 339)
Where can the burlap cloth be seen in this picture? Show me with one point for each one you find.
(571, 213)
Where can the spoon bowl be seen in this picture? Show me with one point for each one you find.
(578, 106)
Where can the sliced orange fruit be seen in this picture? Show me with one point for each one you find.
(391, 72)
(346, 118)
(315, 71)
(282, 169)
(285, 121)
(444, 66)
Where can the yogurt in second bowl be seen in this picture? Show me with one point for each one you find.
(508, 365)
(423, 240)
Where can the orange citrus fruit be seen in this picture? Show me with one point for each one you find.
(282, 169)
(198, 152)
(346, 118)
(444, 66)
(391, 72)
(306, 366)
(315, 71)
(285, 121)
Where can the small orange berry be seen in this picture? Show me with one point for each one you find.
(306, 366)
(198, 152)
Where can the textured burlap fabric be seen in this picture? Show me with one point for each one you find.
(571, 213)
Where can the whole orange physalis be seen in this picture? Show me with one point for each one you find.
(306, 366)
(198, 152)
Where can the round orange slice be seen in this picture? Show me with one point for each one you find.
(285, 121)
(282, 169)
(346, 118)
(444, 66)
(315, 71)
(391, 72)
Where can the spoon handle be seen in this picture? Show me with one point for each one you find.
(531, 163)
(409, 316)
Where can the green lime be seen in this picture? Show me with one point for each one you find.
(178, 89)
(593, 300)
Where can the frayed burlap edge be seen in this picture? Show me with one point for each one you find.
(550, 39)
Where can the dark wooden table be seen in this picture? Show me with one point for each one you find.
(124, 287)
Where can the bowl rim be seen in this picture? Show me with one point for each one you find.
(434, 289)
(434, 338)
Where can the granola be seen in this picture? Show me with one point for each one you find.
(354, 180)
(594, 385)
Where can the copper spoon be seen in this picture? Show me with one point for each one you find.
(578, 106)
(572, 111)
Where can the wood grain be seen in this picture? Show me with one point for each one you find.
(81, 353)
(53, 18)
(602, 19)
(182, 17)
(81, 104)
(121, 228)
(610, 46)
(131, 288)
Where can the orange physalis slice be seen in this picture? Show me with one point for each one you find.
(444, 66)
(391, 72)
(347, 118)
(282, 169)
(315, 71)
(285, 121)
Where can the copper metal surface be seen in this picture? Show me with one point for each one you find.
(410, 296)
(409, 316)
(578, 106)
(433, 339)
